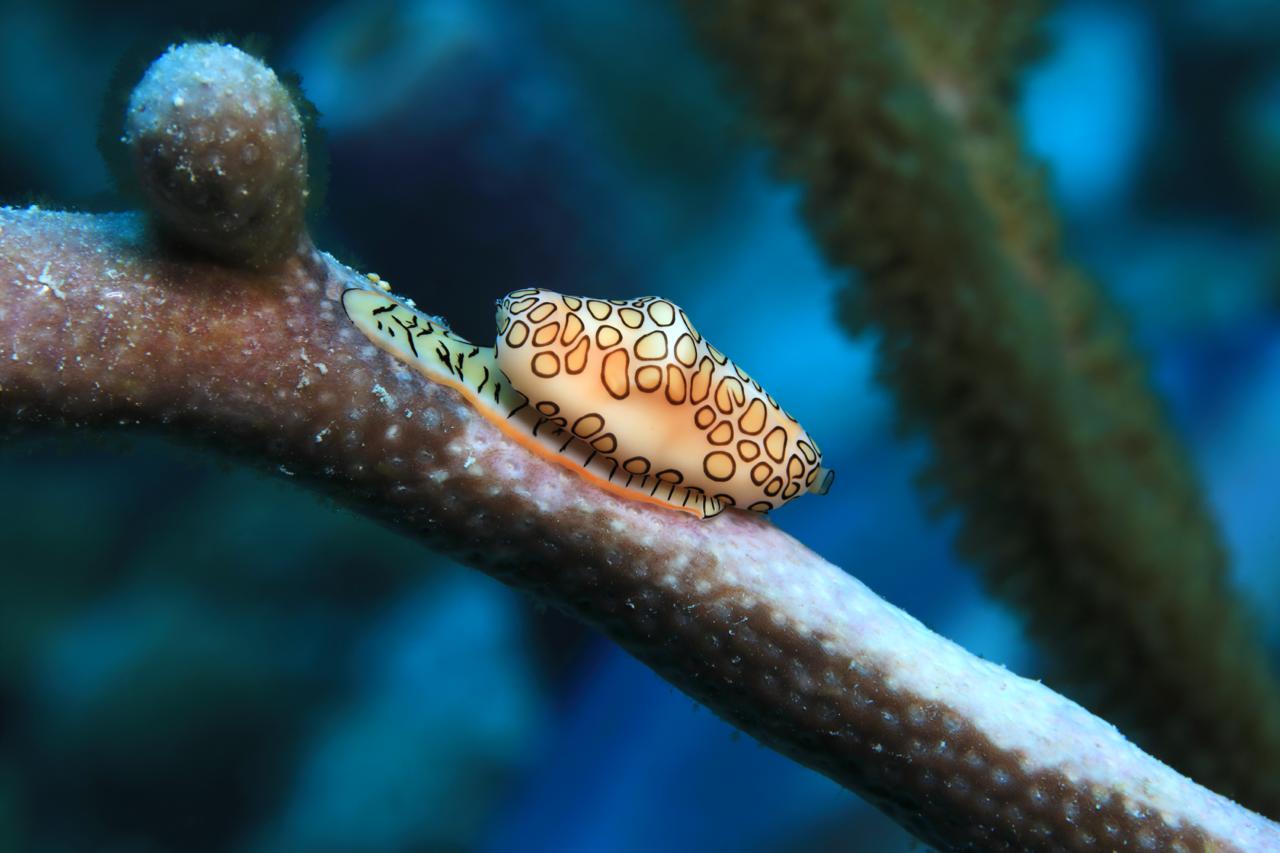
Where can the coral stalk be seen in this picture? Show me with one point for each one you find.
(1077, 502)
(100, 326)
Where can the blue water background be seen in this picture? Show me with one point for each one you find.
(195, 656)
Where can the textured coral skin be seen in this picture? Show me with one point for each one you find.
(217, 146)
(99, 327)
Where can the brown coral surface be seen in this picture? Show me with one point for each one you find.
(98, 326)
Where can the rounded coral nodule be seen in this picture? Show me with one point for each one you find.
(218, 148)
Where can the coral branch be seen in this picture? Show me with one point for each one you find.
(99, 326)
(1077, 502)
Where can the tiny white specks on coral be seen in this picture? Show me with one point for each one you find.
(384, 396)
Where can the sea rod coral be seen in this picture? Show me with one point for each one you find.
(1076, 501)
(117, 319)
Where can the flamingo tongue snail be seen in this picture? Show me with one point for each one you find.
(625, 392)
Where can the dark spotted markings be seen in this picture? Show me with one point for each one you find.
(646, 344)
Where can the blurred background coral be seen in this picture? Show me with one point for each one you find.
(199, 657)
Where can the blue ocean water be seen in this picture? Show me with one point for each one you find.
(198, 657)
